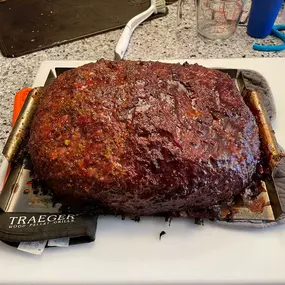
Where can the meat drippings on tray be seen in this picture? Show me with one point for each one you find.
(144, 137)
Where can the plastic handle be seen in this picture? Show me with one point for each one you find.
(179, 11)
(123, 43)
(126, 35)
(19, 102)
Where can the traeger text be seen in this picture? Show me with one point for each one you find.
(40, 220)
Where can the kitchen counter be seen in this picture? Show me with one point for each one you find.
(157, 39)
(126, 252)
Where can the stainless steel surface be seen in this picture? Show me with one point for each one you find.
(18, 194)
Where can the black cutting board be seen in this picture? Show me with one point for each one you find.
(30, 25)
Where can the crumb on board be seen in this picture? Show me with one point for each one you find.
(162, 233)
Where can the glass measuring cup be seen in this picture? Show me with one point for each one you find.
(216, 19)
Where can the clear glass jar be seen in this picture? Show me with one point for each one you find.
(216, 19)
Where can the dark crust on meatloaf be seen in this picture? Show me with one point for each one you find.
(144, 137)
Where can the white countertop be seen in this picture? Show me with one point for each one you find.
(126, 252)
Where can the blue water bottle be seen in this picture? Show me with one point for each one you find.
(262, 16)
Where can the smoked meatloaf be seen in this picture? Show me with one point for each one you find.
(144, 137)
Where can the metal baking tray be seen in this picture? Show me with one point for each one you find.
(19, 193)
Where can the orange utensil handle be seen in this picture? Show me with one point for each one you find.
(19, 102)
